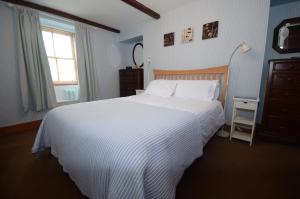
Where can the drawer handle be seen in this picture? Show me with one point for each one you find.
(289, 79)
(245, 102)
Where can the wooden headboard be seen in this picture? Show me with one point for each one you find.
(214, 73)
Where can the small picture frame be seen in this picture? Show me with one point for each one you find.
(210, 30)
(169, 39)
(187, 35)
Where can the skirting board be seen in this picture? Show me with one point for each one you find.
(19, 128)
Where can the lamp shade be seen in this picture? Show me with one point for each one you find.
(244, 47)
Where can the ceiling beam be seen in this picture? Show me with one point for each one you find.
(142, 8)
(61, 14)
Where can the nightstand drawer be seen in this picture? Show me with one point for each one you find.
(245, 105)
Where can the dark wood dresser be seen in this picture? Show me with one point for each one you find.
(281, 117)
(130, 80)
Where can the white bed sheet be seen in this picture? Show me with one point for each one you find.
(124, 148)
(209, 113)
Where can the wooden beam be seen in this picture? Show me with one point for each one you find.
(142, 8)
(62, 14)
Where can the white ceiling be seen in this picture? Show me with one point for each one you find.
(113, 13)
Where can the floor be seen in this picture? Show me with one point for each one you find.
(227, 170)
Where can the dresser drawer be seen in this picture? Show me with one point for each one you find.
(284, 108)
(127, 92)
(285, 81)
(245, 105)
(287, 66)
(129, 86)
(128, 80)
(281, 126)
(284, 94)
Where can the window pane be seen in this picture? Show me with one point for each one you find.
(66, 69)
(53, 69)
(62, 45)
(47, 37)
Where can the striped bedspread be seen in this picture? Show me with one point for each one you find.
(121, 149)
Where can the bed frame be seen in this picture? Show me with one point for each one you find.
(214, 73)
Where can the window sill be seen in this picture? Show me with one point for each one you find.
(65, 84)
(67, 102)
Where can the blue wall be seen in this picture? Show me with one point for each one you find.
(277, 14)
(279, 2)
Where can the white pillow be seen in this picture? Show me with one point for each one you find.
(217, 92)
(196, 89)
(161, 88)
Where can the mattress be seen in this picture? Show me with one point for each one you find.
(132, 147)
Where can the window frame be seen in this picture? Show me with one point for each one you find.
(73, 46)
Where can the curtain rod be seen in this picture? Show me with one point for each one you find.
(59, 13)
(53, 17)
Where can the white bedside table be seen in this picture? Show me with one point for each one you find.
(243, 118)
(139, 91)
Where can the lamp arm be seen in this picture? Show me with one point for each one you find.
(246, 48)
(231, 56)
(227, 83)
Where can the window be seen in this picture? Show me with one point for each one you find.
(60, 50)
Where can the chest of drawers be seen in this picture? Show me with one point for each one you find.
(130, 80)
(281, 116)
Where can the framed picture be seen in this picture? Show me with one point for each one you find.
(210, 30)
(169, 39)
(187, 35)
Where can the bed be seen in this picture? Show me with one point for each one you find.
(133, 147)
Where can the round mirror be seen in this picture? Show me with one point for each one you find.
(137, 55)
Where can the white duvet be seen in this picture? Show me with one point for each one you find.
(129, 148)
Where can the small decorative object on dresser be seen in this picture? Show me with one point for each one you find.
(139, 91)
(130, 80)
(243, 118)
(281, 107)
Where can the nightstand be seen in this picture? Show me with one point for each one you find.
(243, 118)
(139, 91)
